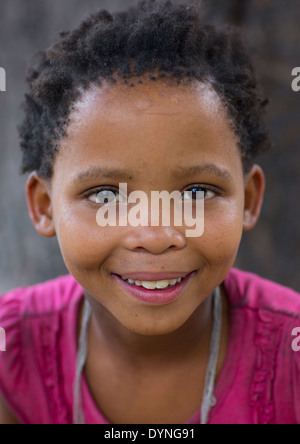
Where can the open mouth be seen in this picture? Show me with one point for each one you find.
(154, 285)
(155, 292)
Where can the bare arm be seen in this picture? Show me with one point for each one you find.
(6, 417)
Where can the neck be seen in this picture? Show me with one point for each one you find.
(107, 334)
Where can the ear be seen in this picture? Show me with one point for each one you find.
(254, 195)
(38, 193)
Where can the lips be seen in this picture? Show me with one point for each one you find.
(154, 296)
(148, 276)
(152, 285)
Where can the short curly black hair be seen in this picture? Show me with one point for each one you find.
(159, 40)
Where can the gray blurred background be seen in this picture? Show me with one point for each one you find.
(272, 28)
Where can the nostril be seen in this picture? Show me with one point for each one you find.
(155, 240)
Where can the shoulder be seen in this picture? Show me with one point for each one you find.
(269, 315)
(40, 299)
(252, 291)
(31, 319)
(22, 306)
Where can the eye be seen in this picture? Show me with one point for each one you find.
(104, 196)
(200, 192)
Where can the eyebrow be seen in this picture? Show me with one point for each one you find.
(178, 173)
(208, 168)
(103, 172)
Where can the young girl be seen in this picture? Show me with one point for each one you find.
(151, 326)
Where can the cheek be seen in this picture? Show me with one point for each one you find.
(223, 232)
(84, 245)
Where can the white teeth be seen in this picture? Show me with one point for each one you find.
(152, 285)
(149, 285)
(162, 284)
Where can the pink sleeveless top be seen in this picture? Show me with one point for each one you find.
(259, 383)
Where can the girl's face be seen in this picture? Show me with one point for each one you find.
(154, 137)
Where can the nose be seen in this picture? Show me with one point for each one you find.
(155, 240)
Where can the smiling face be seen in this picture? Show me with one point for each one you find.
(153, 137)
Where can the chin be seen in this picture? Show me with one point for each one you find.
(150, 328)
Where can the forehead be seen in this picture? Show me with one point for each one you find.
(120, 126)
(149, 97)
